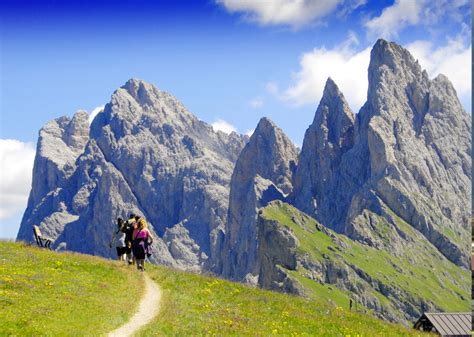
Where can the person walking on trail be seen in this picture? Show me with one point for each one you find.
(141, 239)
(130, 226)
(118, 238)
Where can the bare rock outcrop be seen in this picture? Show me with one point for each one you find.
(263, 172)
(409, 148)
(319, 188)
(417, 138)
(60, 143)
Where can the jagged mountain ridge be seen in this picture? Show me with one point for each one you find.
(395, 177)
(146, 154)
(404, 158)
(410, 151)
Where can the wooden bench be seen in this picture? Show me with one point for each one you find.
(41, 241)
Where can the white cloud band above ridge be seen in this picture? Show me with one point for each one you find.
(348, 66)
(401, 14)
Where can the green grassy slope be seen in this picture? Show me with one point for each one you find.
(43, 292)
(420, 272)
(196, 305)
(64, 294)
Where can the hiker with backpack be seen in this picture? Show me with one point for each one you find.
(130, 226)
(118, 238)
(142, 238)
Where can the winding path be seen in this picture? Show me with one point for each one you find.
(147, 310)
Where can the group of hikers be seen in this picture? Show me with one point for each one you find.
(133, 240)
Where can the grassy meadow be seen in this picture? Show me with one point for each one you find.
(196, 305)
(68, 294)
(59, 294)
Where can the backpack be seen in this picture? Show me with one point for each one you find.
(129, 232)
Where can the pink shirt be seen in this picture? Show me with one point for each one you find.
(140, 234)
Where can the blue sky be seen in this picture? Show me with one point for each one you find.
(230, 62)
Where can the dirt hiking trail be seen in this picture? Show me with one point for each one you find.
(148, 308)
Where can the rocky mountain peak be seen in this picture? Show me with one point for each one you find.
(265, 126)
(147, 154)
(326, 140)
(331, 90)
(140, 107)
(441, 87)
(133, 84)
(137, 97)
(393, 56)
(335, 115)
(405, 130)
(63, 139)
(391, 64)
(262, 172)
(60, 143)
(141, 91)
(269, 153)
(267, 133)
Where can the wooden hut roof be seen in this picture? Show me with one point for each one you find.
(448, 324)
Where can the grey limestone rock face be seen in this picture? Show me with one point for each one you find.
(263, 172)
(144, 153)
(417, 137)
(319, 188)
(410, 150)
(276, 252)
(185, 251)
(60, 143)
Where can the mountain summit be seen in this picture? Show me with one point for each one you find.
(407, 150)
(417, 138)
(146, 154)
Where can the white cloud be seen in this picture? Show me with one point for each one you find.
(249, 132)
(348, 68)
(95, 112)
(222, 125)
(452, 60)
(293, 13)
(394, 18)
(16, 167)
(345, 65)
(256, 103)
(405, 13)
(272, 88)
